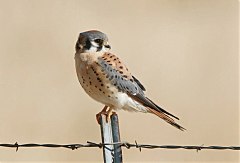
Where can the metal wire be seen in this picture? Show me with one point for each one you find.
(127, 145)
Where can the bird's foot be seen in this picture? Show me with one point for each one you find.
(106, 111)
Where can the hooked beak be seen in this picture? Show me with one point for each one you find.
(107, 46)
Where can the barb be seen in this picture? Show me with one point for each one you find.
(127, 145)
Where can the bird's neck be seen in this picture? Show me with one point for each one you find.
(89, 57)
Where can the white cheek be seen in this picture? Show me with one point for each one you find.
(93, 49)
(94, 44)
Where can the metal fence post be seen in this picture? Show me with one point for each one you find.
(116, 139)
(110, 135)
(106, 133)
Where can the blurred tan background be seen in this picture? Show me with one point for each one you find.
(187, 58)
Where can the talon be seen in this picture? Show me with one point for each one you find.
(98, 118)
(106, 111)
(109, 113)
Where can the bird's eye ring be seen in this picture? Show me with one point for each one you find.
(98, 41)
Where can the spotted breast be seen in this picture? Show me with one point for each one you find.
(103, 76)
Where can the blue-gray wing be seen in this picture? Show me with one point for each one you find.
(139, 83)
(122, 79)
(124, 82)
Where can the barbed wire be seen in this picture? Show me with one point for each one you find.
(127, 145)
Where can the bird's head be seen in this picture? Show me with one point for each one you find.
(92, 41)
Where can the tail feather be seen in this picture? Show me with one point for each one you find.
(166, 118)
(162, 110)
(155, 109)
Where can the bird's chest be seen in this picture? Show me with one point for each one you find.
(94, 81)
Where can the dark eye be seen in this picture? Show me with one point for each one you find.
(98, 41)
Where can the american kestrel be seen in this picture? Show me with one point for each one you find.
(106, 79)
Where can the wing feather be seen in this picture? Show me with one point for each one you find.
(120, 77)
(139, 83)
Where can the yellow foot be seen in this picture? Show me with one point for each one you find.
(106, 111)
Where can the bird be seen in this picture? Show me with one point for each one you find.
(106, 79)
